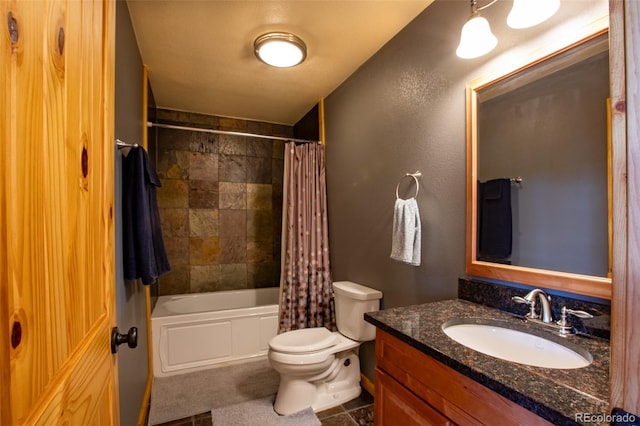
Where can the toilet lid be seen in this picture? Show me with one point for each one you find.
(303, 340)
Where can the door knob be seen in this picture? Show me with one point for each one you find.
(131, 338)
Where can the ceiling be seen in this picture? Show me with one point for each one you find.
(200, 53)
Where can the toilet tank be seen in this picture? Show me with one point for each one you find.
(352, 302)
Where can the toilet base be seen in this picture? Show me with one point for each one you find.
(338, 386)
(324, 401)
(293, 396)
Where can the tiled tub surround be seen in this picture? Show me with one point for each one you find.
(220, 203)
(555, 395)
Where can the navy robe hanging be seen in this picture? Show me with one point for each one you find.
(145, 256)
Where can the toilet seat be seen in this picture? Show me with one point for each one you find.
(303, 341)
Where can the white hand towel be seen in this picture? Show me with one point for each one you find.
(405, 243)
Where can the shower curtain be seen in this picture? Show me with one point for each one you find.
(306, 299)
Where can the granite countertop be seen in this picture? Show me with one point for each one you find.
(556, 395)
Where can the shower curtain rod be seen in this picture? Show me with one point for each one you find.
(228, 132)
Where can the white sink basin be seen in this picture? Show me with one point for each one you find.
(499, 339)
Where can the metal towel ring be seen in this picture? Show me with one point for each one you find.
(415, 178)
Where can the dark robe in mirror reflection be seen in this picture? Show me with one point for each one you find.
(494, 221)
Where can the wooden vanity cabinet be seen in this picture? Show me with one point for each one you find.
(414, 389)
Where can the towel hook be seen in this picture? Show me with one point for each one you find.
(415, 178)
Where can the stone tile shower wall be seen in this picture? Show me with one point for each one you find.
(220, 203)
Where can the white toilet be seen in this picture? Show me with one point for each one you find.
(319, 368)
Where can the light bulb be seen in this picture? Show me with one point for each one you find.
(476, 38)
(527, 13)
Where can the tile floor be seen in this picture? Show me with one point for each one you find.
(357, 412)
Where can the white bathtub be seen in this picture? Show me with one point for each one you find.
(197, 331)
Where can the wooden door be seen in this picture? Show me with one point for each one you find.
(625, 124)
(56, 213)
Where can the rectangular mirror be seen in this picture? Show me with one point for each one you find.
(538, 180)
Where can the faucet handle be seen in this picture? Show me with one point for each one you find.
(565, 327)
(577, 313)
(522, 300)
(530, 303)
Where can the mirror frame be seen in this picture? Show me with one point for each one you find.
(599, 287)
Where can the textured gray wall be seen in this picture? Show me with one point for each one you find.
(402, 111)
(130, 295)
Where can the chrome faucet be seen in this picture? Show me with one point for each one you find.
(529, 299)
(545, 317)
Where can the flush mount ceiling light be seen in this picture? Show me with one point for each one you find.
(280, 49)
(476, 38)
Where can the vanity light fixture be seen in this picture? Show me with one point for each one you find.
(280, 49)
(476, 38)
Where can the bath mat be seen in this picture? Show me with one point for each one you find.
(260, 412)
(184, 395)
